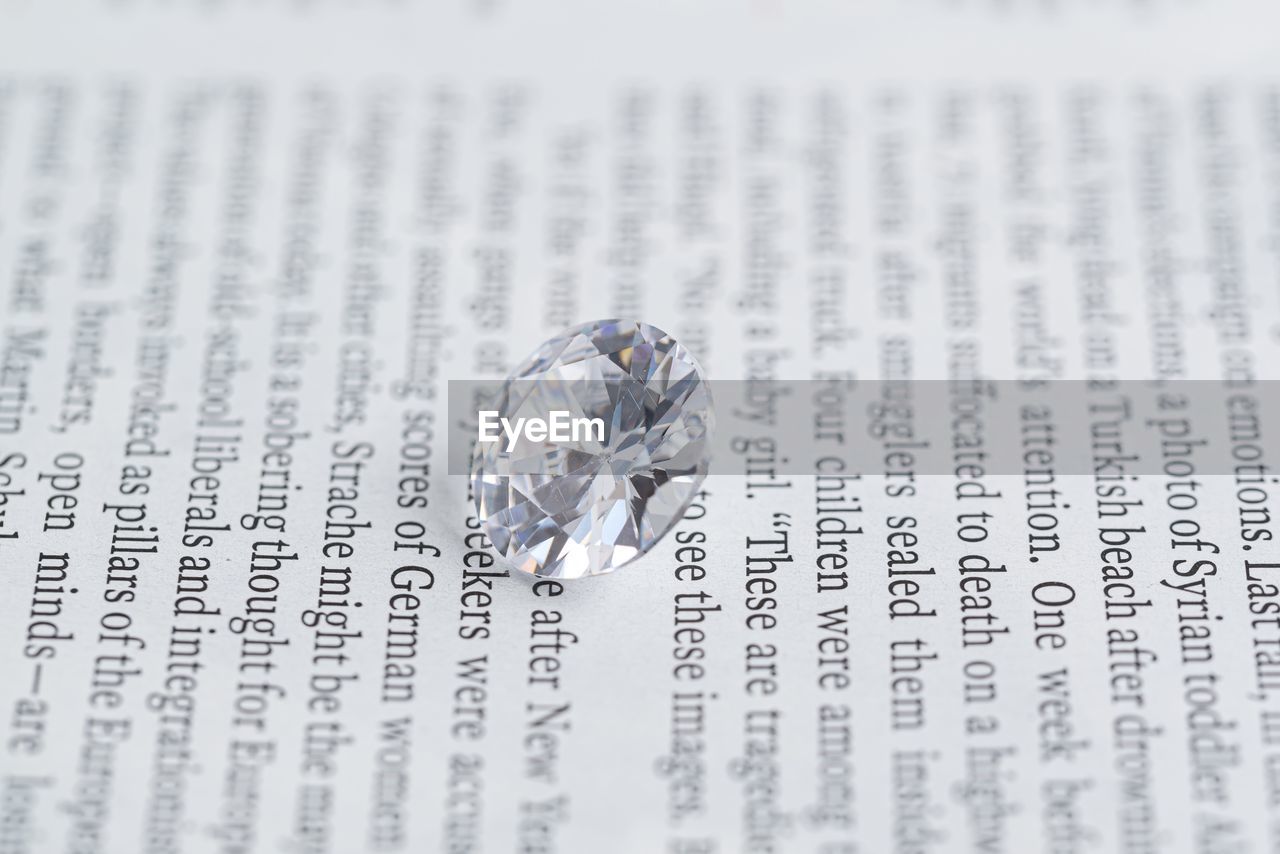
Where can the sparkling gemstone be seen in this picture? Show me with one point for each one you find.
(586, 507)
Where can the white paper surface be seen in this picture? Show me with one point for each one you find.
(244, 246)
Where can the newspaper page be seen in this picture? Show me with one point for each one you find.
(246, 604)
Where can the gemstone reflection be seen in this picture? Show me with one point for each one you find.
(587, 507)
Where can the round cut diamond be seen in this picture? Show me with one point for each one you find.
(588, 506)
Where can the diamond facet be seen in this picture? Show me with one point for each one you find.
(587, 507)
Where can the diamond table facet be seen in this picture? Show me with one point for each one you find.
(586, 507)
